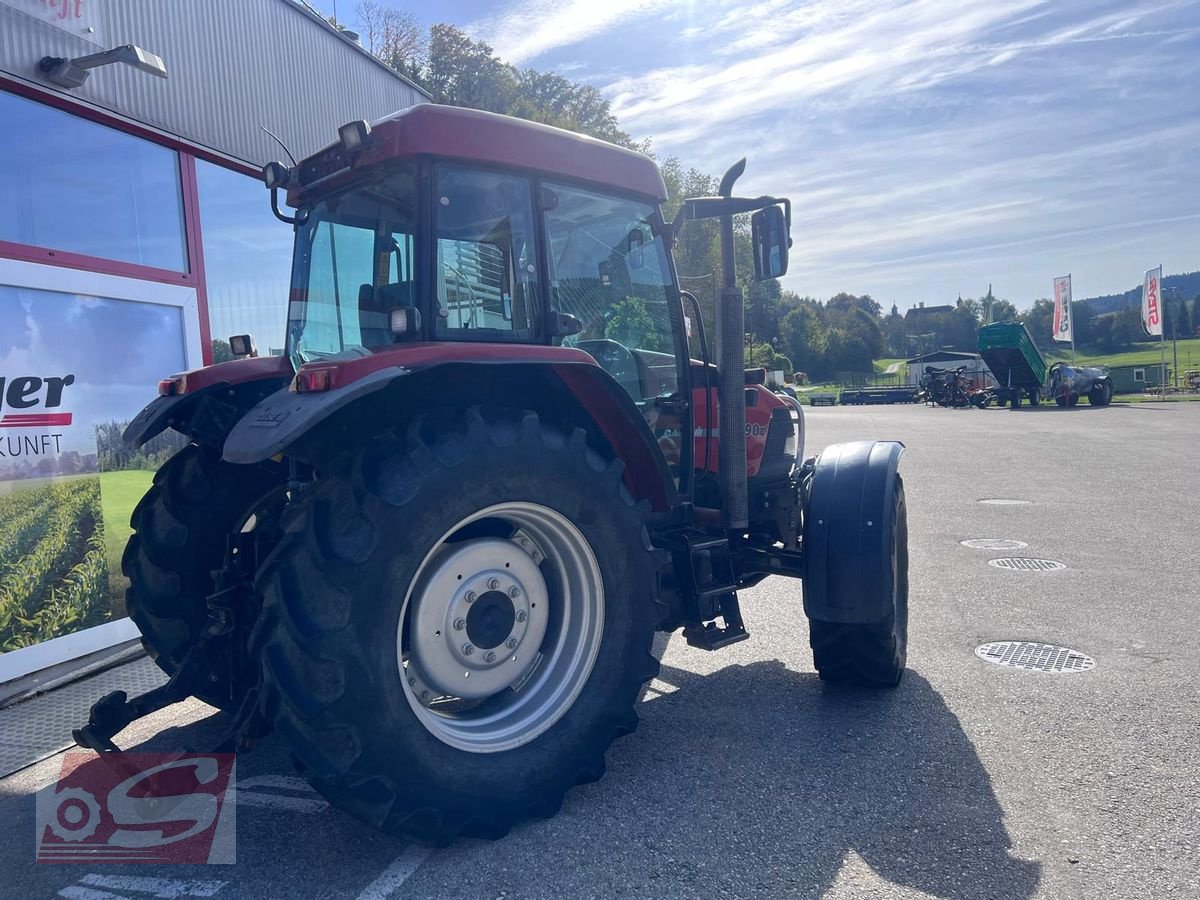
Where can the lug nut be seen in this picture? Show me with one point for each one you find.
(511, 643)
(470, 597)
(521, 615)
(490, 656)
(460, 624)
(514, 592)
(493, 583)
(468, 649)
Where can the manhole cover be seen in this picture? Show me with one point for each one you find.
(1034, 657)
(1024, 564)
(993, 544)
(1005, 501)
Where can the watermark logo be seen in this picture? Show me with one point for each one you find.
(139, 808)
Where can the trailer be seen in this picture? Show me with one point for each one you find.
(1015, 361)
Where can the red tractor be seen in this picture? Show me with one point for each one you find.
(432, 542)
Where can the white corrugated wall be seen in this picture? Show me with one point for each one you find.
(234, 65)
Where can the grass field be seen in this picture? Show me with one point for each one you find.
(119, 494)
(53, 564)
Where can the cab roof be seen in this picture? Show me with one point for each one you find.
(472, 135)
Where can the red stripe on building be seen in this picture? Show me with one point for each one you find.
(16, 420)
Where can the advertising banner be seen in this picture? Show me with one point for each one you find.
(73, 370)
(1152, 302)
(1062, 309)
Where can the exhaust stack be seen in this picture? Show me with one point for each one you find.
(731, 356)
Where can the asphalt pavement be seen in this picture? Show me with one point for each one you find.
(749, 777)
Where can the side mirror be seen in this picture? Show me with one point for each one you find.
(242, 345)
(769, 235)
(566, 324)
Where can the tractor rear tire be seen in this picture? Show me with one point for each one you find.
(871, 655)
(179, 538)
(356, 668)
(1101, 394)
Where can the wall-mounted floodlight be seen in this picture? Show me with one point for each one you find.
(71, 73)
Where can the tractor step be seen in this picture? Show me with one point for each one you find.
(711, 637)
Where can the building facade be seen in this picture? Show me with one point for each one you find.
(135, 235)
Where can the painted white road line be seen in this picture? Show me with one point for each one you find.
(396, 874)
(160, 888)
(250, 792)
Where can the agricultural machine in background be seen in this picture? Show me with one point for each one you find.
(431, 544)
(1069, 383)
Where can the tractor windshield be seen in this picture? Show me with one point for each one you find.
(353, 265)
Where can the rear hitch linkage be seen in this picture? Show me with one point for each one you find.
(115, 711)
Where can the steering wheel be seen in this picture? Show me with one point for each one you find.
(614, 358)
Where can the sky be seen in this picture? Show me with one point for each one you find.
(930, 148)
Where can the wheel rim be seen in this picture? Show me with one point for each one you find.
(499, 633)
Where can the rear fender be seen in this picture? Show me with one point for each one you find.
(318, 426)
(213, 400)
(846, 529)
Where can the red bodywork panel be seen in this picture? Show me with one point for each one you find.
(451, 132)
(422, 355)
(238, 371)
(576, 369)
(760, 403)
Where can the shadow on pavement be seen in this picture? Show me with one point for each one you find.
(821, 770)
(759, 774)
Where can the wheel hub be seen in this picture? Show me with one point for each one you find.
(490, 620)
(484, 637)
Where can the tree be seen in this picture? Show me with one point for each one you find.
(393, 35)
(1196, 314)
(221, 351)
(630, 324)
(805, 337)
(1039, 319)
(1003, 311)
(463, 72)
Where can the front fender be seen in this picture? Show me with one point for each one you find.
(847, 529)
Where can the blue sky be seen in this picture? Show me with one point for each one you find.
(929, 147)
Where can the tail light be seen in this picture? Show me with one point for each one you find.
(312, 381)
(173, 387)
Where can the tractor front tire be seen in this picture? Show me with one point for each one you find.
(180, 531)
(458, 624)
(871, 655)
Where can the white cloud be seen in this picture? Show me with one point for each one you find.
(929, 146)
(525, 31)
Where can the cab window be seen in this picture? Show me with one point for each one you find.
(486, 268)
(610, 270)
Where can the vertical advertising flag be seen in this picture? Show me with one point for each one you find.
(1152, 302)
(1062, 309)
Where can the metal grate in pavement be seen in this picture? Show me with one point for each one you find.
(1035, 657)
(38, 728)
(1026, 564)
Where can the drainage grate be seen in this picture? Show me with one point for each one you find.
(37, 728)
(1004, 501)
(1035, 657)
(993, 544)
(1024, 564)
